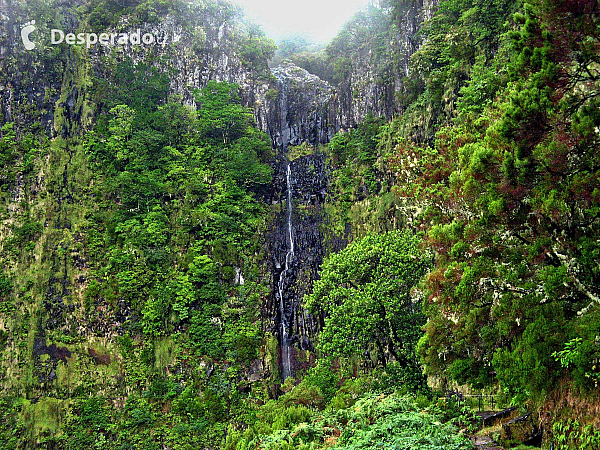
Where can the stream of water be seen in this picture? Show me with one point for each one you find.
(286, 363)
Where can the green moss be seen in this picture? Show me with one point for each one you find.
(165, 350)
(271, 357)
(42, 418)
(304, 149)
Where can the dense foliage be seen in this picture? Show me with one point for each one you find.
(507, 193)
(365, 292)
(174, 206)
(134, 278)
(495, 159)
(353, 420)
(124, 307)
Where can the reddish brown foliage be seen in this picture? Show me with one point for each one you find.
(98, 358)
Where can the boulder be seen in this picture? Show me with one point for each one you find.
(521, 430)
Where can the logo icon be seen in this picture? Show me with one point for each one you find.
(27, 29)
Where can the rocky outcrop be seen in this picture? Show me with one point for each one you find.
(300, 109)
(521, 430)
(194, 42)
(194, 45)
(377, 74)
(374, 62)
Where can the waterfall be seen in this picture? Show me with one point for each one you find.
(286, 363)
(298, 114)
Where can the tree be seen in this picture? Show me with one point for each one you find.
(256, 50)
(510, 197)
(220, 113)
(367, 294)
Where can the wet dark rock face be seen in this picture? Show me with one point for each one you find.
(308, 180)
(300, 108)
(46, 370)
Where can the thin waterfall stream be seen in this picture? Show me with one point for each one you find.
(286, 363)
(298, 116)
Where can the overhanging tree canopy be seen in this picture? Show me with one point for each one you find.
(366, 293)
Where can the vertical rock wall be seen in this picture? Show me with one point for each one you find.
(377, 67)
(293, 277)
(300, 107)
(53, 85)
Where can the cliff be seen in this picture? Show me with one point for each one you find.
(118, 231)
(303, 109)
(63, 318)
(193, 43)
(367, 63)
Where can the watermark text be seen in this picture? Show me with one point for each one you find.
(58, 37)
(89, 39)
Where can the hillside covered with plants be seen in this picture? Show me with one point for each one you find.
(405, 221)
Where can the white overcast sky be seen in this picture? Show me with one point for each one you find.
(318, 20)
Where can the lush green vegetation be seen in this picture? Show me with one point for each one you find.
(365, 294)
(174, 216)
(511, 213)
(373, 420)
(494, 158)
(124, 323)
(134, 277)
(505, 192)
